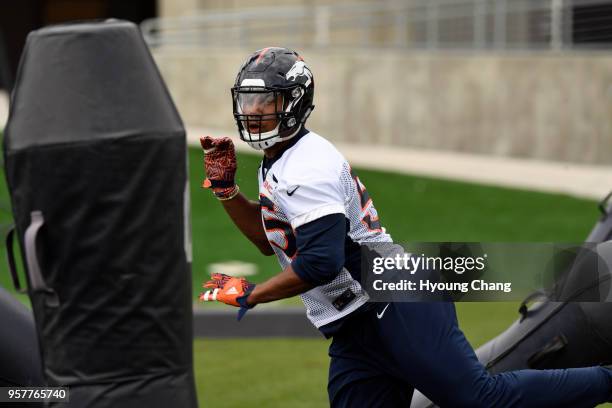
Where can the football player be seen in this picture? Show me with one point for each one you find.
(313, 213)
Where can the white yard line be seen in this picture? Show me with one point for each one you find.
(578, 180)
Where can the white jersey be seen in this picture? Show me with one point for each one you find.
(311, 179)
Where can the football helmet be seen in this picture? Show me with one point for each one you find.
(272, 96)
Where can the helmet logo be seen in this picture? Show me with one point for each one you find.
(300, 73)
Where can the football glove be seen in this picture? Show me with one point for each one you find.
(229, 290)
(220, 166)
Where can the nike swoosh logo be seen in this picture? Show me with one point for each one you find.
(290, 193)
(380, 315)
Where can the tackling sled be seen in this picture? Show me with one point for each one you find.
(20, 363)
(95, 159)
(549, 334)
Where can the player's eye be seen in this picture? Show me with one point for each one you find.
(258, 101)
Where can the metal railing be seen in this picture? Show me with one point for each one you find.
(428, 24)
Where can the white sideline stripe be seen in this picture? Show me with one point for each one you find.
(580, 180)
(233, 268)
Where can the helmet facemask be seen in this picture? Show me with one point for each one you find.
(265, 115)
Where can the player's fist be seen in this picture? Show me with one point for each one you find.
(229, 290)
(220, 165)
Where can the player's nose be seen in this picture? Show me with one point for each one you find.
(252, 110)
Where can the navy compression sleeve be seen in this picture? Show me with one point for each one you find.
(320, 249)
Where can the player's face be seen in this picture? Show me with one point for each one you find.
(261, 109)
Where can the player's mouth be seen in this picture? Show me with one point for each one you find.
(253, 128)
(260, 126)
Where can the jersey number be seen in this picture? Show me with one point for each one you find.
(369, 217)
(274, 224)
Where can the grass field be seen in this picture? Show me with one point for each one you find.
(292, 373)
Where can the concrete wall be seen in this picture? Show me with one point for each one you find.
(175, 8)
(547, 106)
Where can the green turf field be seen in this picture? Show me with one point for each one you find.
(279, 373)
(292, 373)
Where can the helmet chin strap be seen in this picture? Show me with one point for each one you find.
(263, 144)
(269, 138)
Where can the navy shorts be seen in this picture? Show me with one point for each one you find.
(381, 355)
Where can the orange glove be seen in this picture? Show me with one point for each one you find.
(229, 290)
(220, 166)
